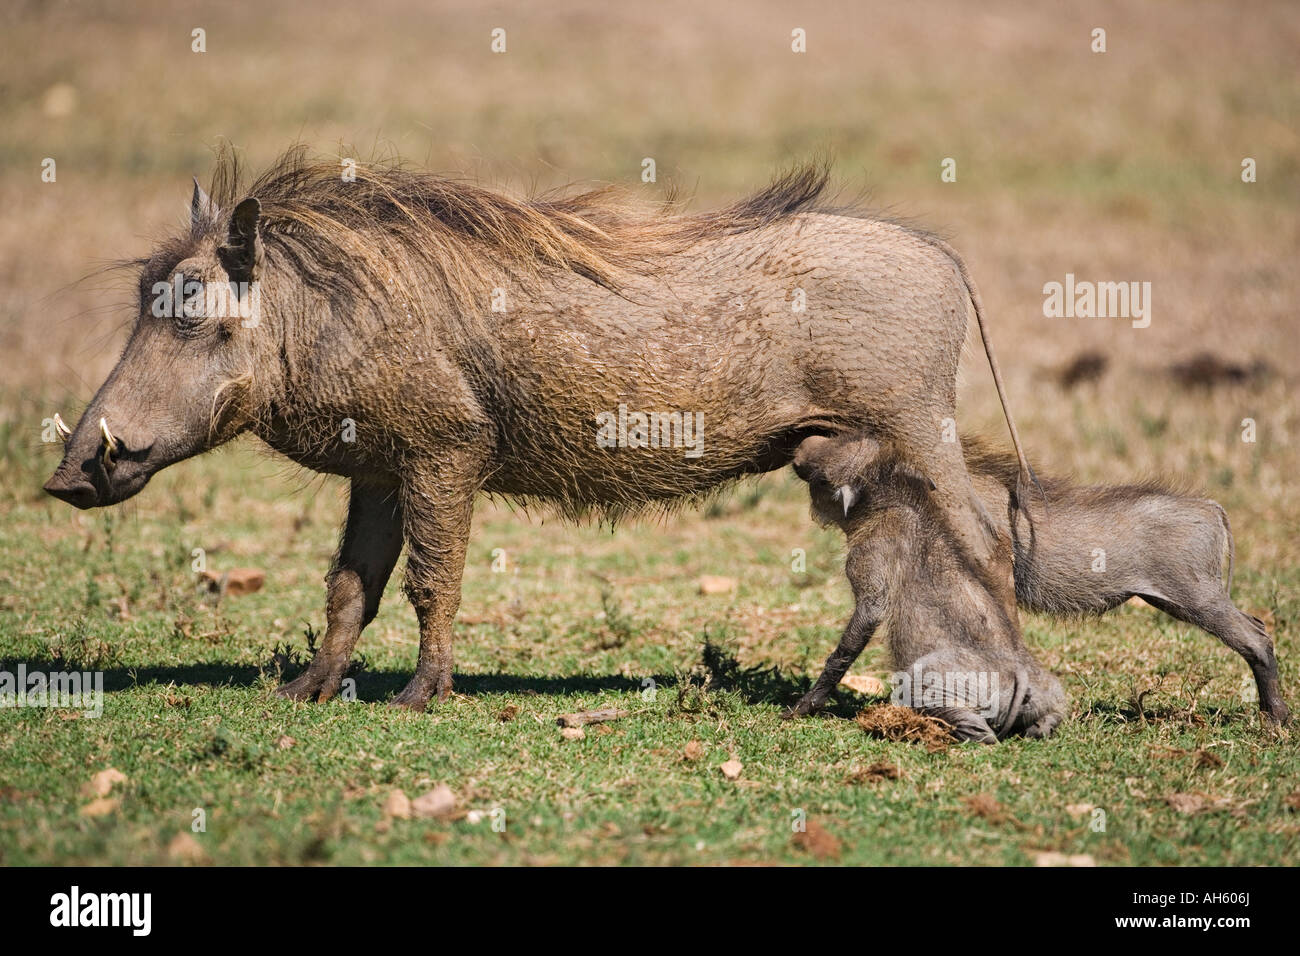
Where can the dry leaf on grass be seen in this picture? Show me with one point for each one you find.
(1052, 858)
(185, 849)
(438, 802)
(986, 805)
(712, 584)
(284, 742)
(694, 750)
(1198, 801)
(732, 768)
(1201, 758)
(235, 582)
(398, 806)
(865, 684)
(101, 807)
(573, 733)
(102, 783)
(1207, 759)
(817, 841)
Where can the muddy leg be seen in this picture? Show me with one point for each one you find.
(976, 533)
(1244, 634)
(437, 530)
(372, 541)
(861, 626)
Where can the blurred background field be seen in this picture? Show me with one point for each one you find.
(1122, 166)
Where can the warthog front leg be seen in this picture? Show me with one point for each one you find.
(857, 634)
(372, 541)
(867, 572)
(438, 518)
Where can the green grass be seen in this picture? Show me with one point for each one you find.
(1119, 166)
(580, 619)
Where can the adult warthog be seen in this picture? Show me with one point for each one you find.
(429, 339)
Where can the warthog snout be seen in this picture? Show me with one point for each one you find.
(98, 467)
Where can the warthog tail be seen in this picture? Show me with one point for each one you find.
(1026, 476)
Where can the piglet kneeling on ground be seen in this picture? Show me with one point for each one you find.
(1088, 549)
(954, 643)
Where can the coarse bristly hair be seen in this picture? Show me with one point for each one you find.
(349, 234)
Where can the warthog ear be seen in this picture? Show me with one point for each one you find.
(202, 209)
(242, 255)
(806, 463)
(905, 470)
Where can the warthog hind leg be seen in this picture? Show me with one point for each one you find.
(1216, 614)
(438, 514)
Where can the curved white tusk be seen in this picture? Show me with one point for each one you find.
(109, 440)
(63, 431)
(847, 495)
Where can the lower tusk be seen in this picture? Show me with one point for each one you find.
(63, 431)
(110, 443)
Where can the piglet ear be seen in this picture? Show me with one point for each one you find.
(242, 256)
(905, 470)
(203, 210)
(859, 454)
(806, 456)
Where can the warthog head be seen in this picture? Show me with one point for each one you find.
(838, 472)
(181, 383)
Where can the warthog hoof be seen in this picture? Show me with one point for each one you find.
(1045, 727)
(415, 696)
(807, 705)
(1279, 714)
(311, 684)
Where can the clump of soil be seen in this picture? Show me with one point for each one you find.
(1207, 370)
(1083, 369)
(892, 722)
